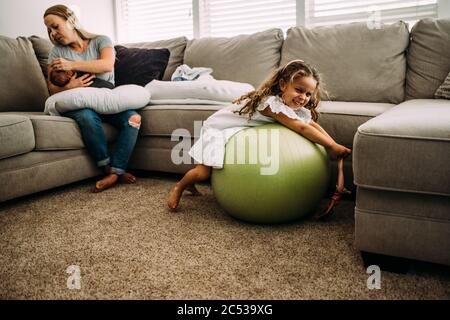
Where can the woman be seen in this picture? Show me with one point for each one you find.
(78, 50)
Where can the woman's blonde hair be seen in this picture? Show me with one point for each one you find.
(69, 15)
(271, 87)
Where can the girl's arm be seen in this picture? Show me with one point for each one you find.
(318, 127)
(102, 65)
(309, 132)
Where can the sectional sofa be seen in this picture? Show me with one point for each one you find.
(380, 102)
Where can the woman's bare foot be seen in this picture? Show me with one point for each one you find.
(106, 182)
(193, 190)
(175, 196)
(127, 178)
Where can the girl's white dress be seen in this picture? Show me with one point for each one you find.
(223, 124)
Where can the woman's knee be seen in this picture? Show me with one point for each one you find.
(135, 121)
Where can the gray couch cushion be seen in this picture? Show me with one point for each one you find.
(42, 48)
(356, 63)
(176, 47)
(406, 149)
(404, 204)
(162, 120)
(62, 133)
(339, 119)
(342, 119)
(244, 58)
(59, 133)
(41, 170)
(428, 58)
(16, 135)
(22, 85)
(401, 224)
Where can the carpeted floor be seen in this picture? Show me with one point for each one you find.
(129, 246)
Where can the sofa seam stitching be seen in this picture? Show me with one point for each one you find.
(13, 124)
(375, 187)
(41, 163)
(392, 214)
(402, 136)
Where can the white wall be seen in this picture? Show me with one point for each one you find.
(25, 17)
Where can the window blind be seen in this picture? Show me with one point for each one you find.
(232, 17)
(148, 20)
(330, 12)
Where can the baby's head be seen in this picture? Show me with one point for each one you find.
(60, 77)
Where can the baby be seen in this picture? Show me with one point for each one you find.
(60, 78)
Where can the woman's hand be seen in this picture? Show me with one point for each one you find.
(62, 64)
(339, 151)
(84, 81)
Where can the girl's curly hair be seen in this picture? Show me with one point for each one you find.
(271, 87)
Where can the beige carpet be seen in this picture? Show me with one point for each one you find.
(128, 246)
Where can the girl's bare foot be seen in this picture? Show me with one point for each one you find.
(334, 201)
(174, 197)
(106, 182)
(127, 178)
(193, 190)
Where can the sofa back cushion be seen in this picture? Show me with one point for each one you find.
(244, 58)
(428, 58)
(41, 48)
(22, 84)
(176, 47)
(357, 63)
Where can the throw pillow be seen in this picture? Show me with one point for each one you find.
(139, 66)
(443, 92)
(176, 47)
(211, 90)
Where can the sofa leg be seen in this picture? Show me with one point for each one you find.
(386, 263)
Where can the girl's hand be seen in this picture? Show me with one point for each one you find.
(84, 81)
(62, 64)
(339, 151)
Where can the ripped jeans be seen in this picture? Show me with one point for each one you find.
(90, 123)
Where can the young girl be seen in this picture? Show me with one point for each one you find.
(290, 96)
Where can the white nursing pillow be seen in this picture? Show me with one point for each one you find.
(102, 100)
(198, 90)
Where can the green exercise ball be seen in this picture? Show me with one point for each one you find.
(271, 174)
